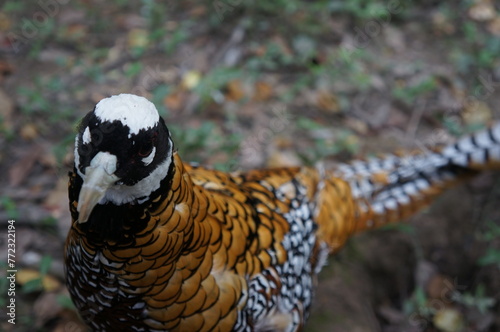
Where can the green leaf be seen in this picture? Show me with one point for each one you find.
(10, 207)
(34, 285)
(492, 256)
(420, 297)
(308, 124)
(492, 233)
(45, 264)
(65, 301)
(133, 69)
(13, 6)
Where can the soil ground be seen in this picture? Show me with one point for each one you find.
(259, 85)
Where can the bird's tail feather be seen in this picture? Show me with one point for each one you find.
(393, 187)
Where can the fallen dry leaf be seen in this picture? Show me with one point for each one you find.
(234, 90)
(260, 50)
(283, 159)
(198, 10)
(440, 287)
(137, 38)
(477, 113)
(482, 11)
(6, 109)
(494, 26)
(282, 44)
(283, 142)
(49, 283)
(6, 69)
(29, 131)
(442, 23)
(449, 320)
(5, 22)
(191, 79)
(175, 100)
(263, 91)
(327, 101)
(129, 21)
(75, 32)
(359, 126)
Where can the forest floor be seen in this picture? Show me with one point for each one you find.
(262, 84)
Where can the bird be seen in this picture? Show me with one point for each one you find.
(157, 244)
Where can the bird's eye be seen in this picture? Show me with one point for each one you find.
(145, 150)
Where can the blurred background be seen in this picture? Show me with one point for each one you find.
(245, 84)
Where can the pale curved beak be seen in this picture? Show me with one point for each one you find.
(99, 176)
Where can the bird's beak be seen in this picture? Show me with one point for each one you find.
(99, 176)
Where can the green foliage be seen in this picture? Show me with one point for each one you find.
(45, 263)
(9, 206)
(61, 148)
(174, 38)
(195, 144)
(216, 80)
(133, 69)
(302, 82)
(4, 284)
(121, 3)
(10, 7)
(94, 73)
(295, 39)
(453, 126)
(192, 139)
(37, 102)
(492, 256)
(327, 144)
(476, 51)
(418, 304)
(154, 12)
(274, 7)
(478, 299)
(492, 231)
(34, 100)
(409, 94)
(159, 93)
(360, 9)
(65, 302)
(45, 30)
(32, 286)
(36, 284)
(491, 235)
(273, 58)
(49, 223)
(308, 124)
(7, 131)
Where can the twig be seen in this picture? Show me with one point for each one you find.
(236, 37)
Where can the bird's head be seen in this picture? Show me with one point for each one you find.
(122, 152)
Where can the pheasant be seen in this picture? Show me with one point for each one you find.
(161, 245)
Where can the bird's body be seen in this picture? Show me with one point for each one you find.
(159, 245)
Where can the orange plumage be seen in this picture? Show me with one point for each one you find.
(167, 246)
